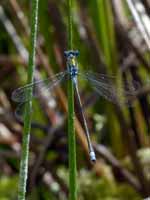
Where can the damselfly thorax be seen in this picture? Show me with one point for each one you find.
(72, 64)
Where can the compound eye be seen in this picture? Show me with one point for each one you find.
(76, 53)
(65, 53)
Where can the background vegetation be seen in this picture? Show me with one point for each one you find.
(112, 40)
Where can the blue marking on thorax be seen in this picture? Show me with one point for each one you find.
(73, 71)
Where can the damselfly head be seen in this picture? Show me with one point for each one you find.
(71, 53)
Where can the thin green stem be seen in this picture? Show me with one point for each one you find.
(70, 33)
(72, 144)
(71, 129)
(27, 115)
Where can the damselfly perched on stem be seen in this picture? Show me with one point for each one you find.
(101, 83)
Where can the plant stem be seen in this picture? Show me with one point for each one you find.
(28, 106)
(72, 143)
(70, 33)
(71, 129)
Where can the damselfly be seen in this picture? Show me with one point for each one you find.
(101, 83)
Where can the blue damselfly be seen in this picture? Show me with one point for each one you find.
(101, 83)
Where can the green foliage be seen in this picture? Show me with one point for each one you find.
(8, 187)
(102, 189)
(87, 181)
(90, 187)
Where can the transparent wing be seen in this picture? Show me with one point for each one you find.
(20, 94)
(98, 76)
(104, 86)
(19, 112)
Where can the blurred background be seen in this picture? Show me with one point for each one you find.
(113, 37)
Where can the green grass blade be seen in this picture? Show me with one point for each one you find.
(70, 32)
(71, 129)
(72, 144)
(27, 115)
